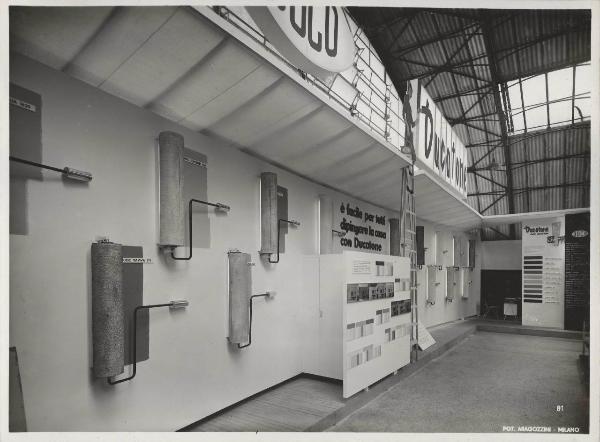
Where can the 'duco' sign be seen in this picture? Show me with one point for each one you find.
(315, 39)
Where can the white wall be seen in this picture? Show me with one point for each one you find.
(443, 311)
(192, 371)
(501, 255)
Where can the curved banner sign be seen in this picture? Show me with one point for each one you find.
(315, 39)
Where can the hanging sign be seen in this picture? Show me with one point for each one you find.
(437, 147)
(315, 39)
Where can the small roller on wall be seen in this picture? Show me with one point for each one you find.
(241, 299)
(270, 223)
(172, 207)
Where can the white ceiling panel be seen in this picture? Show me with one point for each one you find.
(163, 59)
(54, 36)
(436, 205)
(207, 80)
(332, 152)
(115, 41)
(276, 106)
(301, 135)
(236, 96)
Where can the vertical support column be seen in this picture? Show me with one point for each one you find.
(394, 237)
(268, 213)
(325, 224)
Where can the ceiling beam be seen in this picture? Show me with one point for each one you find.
(487, 26)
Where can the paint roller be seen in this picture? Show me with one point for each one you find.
(171, 205)
(241, 298)
(108, 320)
(108, 323)
(270, 228)
(326, 230)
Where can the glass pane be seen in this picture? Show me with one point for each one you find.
(560, 84)
(534, 90)
(560, 113)
(518, 123)
(514, 95)
(536, 118)
(583, 79)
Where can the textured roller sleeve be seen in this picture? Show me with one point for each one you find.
(240, 288)
(108, 322)
(268, 212)
(325, 224)
(172, 216)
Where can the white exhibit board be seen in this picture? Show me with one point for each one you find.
(425, 339)
(376, 318)
(543, 272)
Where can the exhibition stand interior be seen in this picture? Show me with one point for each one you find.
(206, 202)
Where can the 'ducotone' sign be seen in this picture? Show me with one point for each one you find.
(437, 146)
(316, 39)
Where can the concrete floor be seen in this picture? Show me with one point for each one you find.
(488, 381)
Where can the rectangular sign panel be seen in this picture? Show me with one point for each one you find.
(577, 270)
(437, 147)
(543, 272)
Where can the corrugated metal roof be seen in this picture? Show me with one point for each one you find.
(447, 48)
(537, 41)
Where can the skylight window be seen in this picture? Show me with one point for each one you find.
(543, 101)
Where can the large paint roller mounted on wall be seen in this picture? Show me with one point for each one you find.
(270, 223)
(171, 204)
(241, 298)
(108, 318)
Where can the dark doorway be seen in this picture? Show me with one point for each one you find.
(497, 285)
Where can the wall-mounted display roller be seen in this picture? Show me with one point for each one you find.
(395, 237)
(170, 158)
(325, 224)
(241, 298)
(270, 223)
(268, 213)
(108, 325)
(240, 290)
(326, 230)
(420, 245)
(172, 223)
(108, 312)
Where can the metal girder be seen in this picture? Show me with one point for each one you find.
(396, 37)
(529, 189)
(474, 172)
(520, 164)
(462, 94)
(499, 232)
(489, 43)
(448, 61)
(419, 44)
(493, 203)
